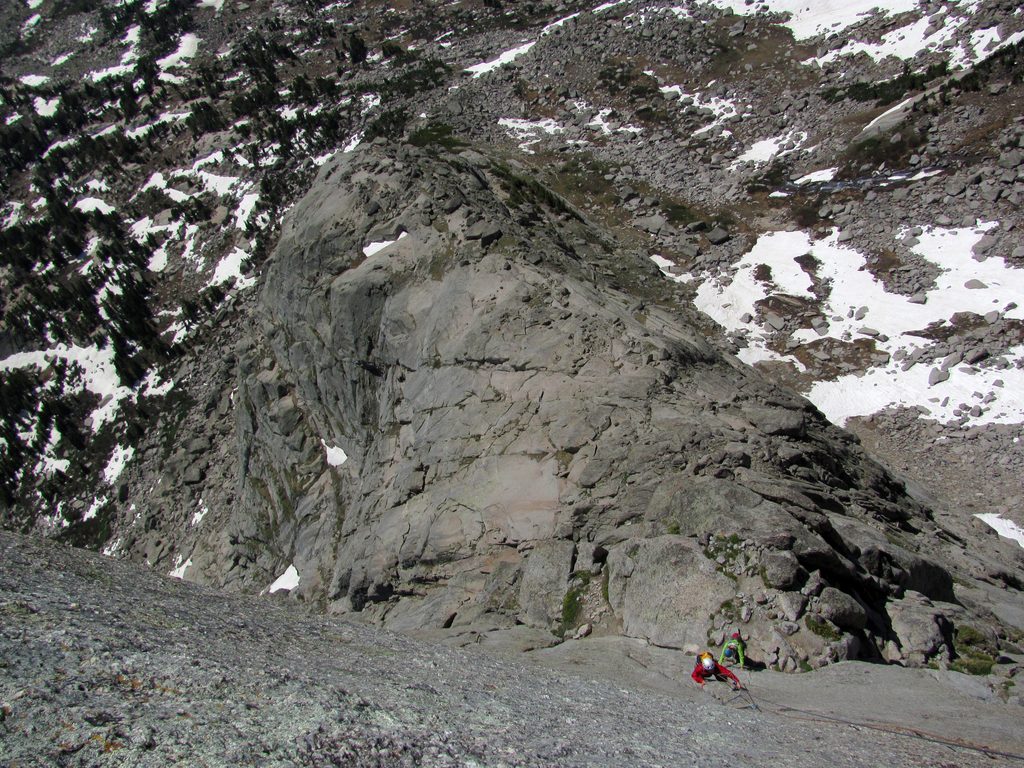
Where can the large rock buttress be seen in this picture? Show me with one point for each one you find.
(532, 443)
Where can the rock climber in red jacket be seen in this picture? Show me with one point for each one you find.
(706, 667)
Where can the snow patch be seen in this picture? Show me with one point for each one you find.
(48, 463)
(118, 461)
(46, 107)
(288, 580)
(352, 143)
(983, 43)
(14, 216)
(166, 117)
(1006, 528)
(809, 18)
(90, 204)
(667, 269)
(768, 149)
(826, 174)
(30, 24)
(609, 5)
(199, 514)
(153, 387)
(904, 43)
(94, 508)
(857, 306)
(128, 58)
(180, 567)
(335, 455)
(556, 24)
(892, 110)
(230, 268)
(187, 47)
(733, 303)
(245, 208)
(479, 70)
(528, 132)
(98, 376)
(721, 109)
(373, 248)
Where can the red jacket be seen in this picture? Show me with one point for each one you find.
(699, 675)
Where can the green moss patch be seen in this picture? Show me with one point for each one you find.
(822, 628)
(573, 604)
(975, 652)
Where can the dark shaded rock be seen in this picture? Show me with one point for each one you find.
(717, 236)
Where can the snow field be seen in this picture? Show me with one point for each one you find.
(857, 306)
(98, 375)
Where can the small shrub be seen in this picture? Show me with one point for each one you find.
(572, 604)
(888, 91)
(967, 635)
(435, 135)
(390, 124)
(678, 213)
(973, 665)
(822, 628)
(528, 191)
(728, 610)
(976, 653)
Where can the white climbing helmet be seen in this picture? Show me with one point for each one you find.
(708, 663)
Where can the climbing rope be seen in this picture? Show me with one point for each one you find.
(901, 730)
(784, 710)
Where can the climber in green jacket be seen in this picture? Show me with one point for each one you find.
(734, 650)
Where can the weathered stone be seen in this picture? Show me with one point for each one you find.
(655, 223)
(781, 570)
(841, 609)
(924, 631)
(792, 605)
(544, 583)
(664, 588)
(717, 236)
(486, 232)
(776, 421)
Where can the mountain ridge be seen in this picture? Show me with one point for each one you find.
(166, 413)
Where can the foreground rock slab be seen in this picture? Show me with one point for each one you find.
(106, 663)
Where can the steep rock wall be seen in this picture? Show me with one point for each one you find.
(535, 445)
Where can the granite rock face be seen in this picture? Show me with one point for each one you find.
(95, 676)
(527, 445)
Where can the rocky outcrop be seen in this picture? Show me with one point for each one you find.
(531, 443)
(94, 675)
